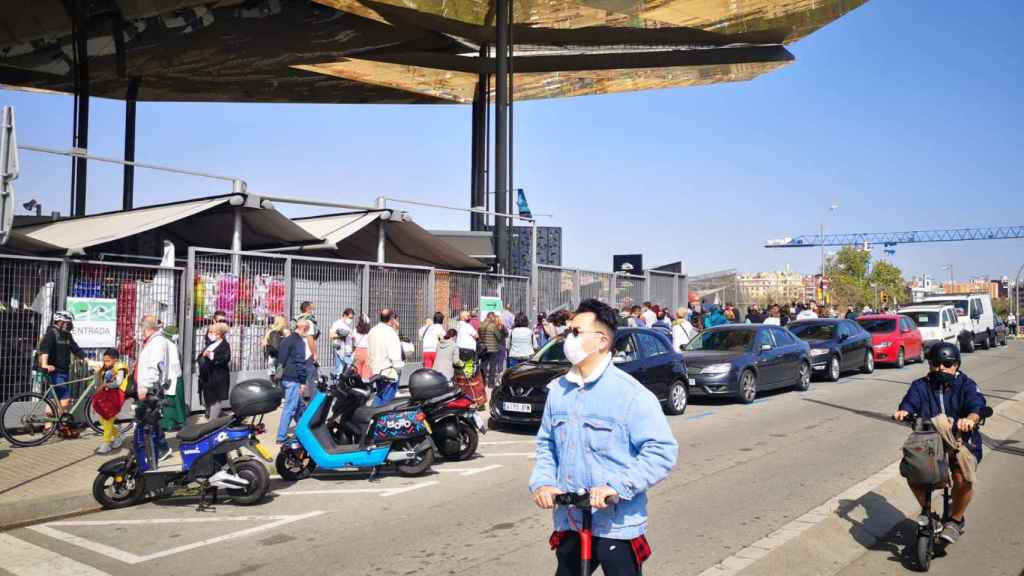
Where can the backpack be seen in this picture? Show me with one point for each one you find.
(924, 460)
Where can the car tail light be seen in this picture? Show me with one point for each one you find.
(460, 404)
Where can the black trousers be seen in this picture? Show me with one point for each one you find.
(615, 557)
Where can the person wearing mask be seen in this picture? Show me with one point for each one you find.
(291, 356)
(774, 316)
(214, 367)
(649, 316)
(307, 311)
(361, 344)
(430, 337)
(637, 453)
(341, 340)
(385, 357)
(948, 391)
(682, 330)
(219, 317)
(809, 313)
(467, 342)
(521, 339)
(556, 325)
(157, 368)
(540, 335)
(662, 324)
(272, 344)
(492, 336)
(55, 354)
(312, 365)
(447, 354)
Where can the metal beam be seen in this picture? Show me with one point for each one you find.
(894, 238)
(128, 193)
(478, 184)
(81, 71)
(501, 232)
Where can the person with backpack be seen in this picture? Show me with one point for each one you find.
(946, 390)
(111, 385)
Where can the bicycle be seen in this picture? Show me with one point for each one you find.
(31, 418)
(927, 534)
(581, 501)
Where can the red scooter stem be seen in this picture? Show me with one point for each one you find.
(586, 541)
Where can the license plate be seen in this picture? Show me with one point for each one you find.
(693, 381)
(516, 407)
(264, 453)
(479, 420)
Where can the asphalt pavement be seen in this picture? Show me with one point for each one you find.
(757, 489)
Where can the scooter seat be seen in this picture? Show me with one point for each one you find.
(193, 432)
(362, 415)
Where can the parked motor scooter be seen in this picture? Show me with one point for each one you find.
(354, 435)
(211, 453)
(456, 423)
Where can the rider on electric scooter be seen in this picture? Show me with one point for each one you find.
(947, 390)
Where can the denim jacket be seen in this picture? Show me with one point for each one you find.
(610, 431)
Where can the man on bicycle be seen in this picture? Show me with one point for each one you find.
(947, 390)
(55, 351)
(604, 432)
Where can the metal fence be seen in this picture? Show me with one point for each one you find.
(32, 289)
(564, 288)
(630, 290)
(407, 292)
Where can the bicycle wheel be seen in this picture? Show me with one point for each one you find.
(29, 419)
(124, 423)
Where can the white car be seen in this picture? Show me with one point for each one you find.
(977, 319)
(937, 323)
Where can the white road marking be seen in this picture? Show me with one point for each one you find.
(22, 558)
(166, 520)
(470, 471)
(383, 492)
(506, 442)
(512, 455)
(129, 558)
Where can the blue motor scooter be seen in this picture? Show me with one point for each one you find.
(354, 435)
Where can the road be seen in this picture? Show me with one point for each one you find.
(744, 472)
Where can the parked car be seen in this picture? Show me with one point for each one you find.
(837, 346)
(742, 359)
(977, 319)
(643, 353)
(1001, 332)
(937, 323)
(894, 338)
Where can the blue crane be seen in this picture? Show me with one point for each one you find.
(894, 238)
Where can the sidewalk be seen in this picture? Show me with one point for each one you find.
(55, 479)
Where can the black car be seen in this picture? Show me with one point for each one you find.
(642, 353)
(741, 359)
(837, 346)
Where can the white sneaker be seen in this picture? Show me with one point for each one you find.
(103, 449)
(117, 443)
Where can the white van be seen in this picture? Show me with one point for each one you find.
(937, 323)
(977, 319)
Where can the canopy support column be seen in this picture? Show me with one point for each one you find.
(501, 228)
(381, 231)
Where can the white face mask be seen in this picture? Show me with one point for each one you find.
(573, 348)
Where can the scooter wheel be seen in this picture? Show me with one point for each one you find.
(925, 550)
(259, 483)
(468, 440)
(423, 461)
(292, 468)
(112, 493)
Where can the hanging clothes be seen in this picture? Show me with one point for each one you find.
(199, 299)
(276, 297)
(126, 298)
(227, 295)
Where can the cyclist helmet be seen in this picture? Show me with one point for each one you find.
(63, 316)
(944, 352)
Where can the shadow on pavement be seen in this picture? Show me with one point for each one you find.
(4, 454)
(898, 542)
(47, 473)
(865, 413)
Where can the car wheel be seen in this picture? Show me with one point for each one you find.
(901, 360)
(748, 387)
(869, 363)
(969, 345)
(987, 343)
(834, 370)
(920, 356)
(803, 378)
(678, 398)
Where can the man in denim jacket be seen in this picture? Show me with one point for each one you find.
(604, 432)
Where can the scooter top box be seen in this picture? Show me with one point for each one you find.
(426, 383)
(255, 397)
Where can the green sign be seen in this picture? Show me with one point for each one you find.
(490, 304)
(95, 321)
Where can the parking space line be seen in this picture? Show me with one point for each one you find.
(470, 471)
(22, 558)
(506, 442)
(113, 522)
(383, 492)
(698, 416)
(511, 455)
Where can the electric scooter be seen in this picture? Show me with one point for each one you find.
(581, 501)
(211, 454)
(355, 435)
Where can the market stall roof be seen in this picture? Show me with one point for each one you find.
(397, 51)
(207, 222)
(354, 236)
(18, 242)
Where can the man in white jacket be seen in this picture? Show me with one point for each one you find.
(385, 357)
(158, 367)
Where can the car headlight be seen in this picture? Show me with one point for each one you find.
(716, 369)
(882, 345)
(819, 351)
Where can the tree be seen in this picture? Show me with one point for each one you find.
(855, 280)
(889, 279)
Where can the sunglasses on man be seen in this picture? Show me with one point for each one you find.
(944, 364)
(576, 332)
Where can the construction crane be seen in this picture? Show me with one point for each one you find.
(866, 239)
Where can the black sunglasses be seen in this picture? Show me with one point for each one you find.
(944, 363)
(576, 332)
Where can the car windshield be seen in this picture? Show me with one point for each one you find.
(552, 353)
(960, 305)
(925, 318)
(813, 331)
(878, 325)
(724, 340)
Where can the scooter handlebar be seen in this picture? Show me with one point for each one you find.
(581, 499)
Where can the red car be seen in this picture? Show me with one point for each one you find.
(894, 338)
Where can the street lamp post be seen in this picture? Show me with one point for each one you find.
(949, 267)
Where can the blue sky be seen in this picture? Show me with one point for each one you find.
(906, 113)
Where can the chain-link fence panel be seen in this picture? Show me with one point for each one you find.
(514, 291)
(682, 291)
(629, 290)
(556, 289)
(595, 285)
(406, 292)
(663, 289)
(28, 299)
(332, 288)
(455, 292)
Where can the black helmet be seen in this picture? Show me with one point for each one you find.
(943, 352)
(426, 383)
